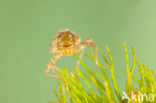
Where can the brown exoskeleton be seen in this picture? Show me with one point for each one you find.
(67, 43)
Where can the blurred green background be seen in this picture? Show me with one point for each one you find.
(27, 26)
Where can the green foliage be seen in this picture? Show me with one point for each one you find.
(71, 88)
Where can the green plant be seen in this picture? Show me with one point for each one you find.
(72, 90)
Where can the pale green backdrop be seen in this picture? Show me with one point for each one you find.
(27, 26)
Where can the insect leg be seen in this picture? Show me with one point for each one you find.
(81, 55)
(51, 65)
(96, 55)
(92, 50)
